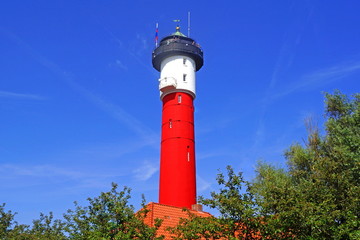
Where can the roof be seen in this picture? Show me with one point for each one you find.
(178, 33)
(171, 216)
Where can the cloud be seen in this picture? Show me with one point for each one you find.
(260, 133)
(114, 110)
(6, 94)
(286, 56)
(145, 171)
(120, 64)
(334, 73)
(321, 77)
(212, 153)
(107, 151)
(41, 171)
(141, 44)
(201, 184)
(22, 176)
(120, 114)
(136, 50)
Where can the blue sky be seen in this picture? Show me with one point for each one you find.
(79, 100)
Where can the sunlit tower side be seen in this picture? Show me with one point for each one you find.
(177, 58)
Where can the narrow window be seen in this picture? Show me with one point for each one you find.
(188, 153)
(184, 77)
(179, 98)
(170, 123)
(184, 61)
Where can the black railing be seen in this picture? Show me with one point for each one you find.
(177, 46)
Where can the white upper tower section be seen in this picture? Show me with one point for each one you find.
(177, 58)
(177, 74)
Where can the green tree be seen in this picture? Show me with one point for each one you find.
(318, 196)
(6, 222)
(195, 227)
(109, 216)
(236, 204)
(44, 228)
(47, 228)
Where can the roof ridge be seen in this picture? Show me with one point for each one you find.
(182, 208)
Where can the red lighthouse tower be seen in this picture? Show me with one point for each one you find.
(177, 58)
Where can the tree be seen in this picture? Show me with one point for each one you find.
(47, 228)
(235, 202)
(195, 227)
(44, 228)
(318, 196)
(109, 216)
(6, 221)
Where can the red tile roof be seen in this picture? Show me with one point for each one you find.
(170, 216)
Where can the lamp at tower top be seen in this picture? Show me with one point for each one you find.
(177, 44)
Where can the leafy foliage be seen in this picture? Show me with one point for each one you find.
(6, 221)
(109, 216)
(195, 227)
(236, 205)
(44, 228)
(319, 196)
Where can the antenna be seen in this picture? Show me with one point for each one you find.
(189, 24)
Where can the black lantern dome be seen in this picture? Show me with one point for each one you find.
(177, 44)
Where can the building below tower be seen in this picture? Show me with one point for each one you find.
(170, 215)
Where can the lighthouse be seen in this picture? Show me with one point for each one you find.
(177, 58)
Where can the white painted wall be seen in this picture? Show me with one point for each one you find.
(173, 70)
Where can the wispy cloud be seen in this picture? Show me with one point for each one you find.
(48, 170)
(292, 38)
(7, 94)
(114, 110)
(24, 175)
(140, 44)
(100, 152)
(38, 171)
(322, 77)
(120, 114)
(145, 171)
(134, 50)
(120, 64)
(259, 135)
(215, 153)
(201, 184)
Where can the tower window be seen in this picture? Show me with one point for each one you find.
(188, 153)
(184, 77)
(184, 61)
(170, 123)
(179, 98)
